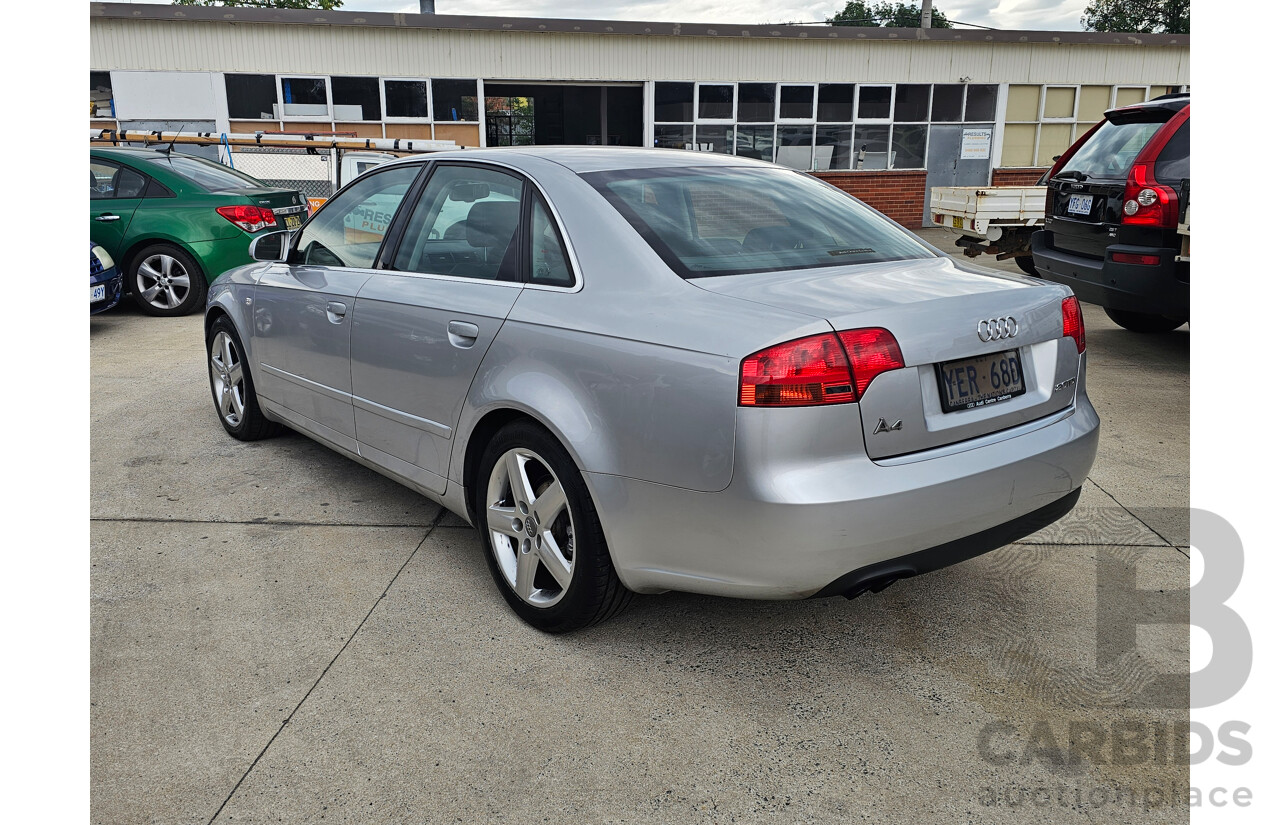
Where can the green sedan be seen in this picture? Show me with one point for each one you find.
(175, 222)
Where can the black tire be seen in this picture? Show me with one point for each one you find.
(1027, 264)
(167, 299)
(594, 592)
(249, 424)
(1144, 322)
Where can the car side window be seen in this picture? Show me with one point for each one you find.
(349, 228)
(1174, 162)
(111, 180)
(549, 263)
(464, 225)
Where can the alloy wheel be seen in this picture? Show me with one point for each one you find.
(227, 373)
(163, 281)
(530, 527)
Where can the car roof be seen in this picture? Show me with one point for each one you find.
(595, 158)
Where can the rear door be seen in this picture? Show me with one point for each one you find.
(302, 308)
(115, 191)
(422, 327)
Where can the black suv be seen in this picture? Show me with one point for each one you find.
(1112, 210)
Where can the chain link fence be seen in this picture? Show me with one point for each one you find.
(313, 172)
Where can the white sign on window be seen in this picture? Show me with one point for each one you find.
(975, 144)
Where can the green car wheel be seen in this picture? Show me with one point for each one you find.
(166, 281)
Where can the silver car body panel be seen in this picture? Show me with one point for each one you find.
(635, 371)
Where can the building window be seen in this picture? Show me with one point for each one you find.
(304, 97)
(795, 103)
(673, 102)
(1041, 122)
(756, 102)
(755, 142)
(911, 103)
(101, 103)
(406, 99)
(835, 102)
(948, 103)
(251, 96)
(673, 137)
(356, 98)
(980, 102)
(714, 138)
(715, 101)
(795, 147)
(875, 102)
(455, 100)
(871, 147)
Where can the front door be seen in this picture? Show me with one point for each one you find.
(422, 329)
(958, 156)
(302, 308)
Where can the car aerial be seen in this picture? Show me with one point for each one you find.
(174, 222)
(1115, 200)
(640, 370)
(104, 280)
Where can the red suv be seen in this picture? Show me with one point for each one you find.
(1112, 210)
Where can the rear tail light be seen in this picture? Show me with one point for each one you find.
(1133, 258)
(871, 352)
(1147, 203)
(821, 369)
(1073, 322)
(248, 218)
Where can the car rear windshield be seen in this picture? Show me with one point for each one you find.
(1110, 151)
(205, 173)
(710, 221)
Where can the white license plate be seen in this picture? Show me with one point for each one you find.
(97, 293)
(1080, 205)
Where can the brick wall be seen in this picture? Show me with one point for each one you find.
(898, 194)
(1016, 176)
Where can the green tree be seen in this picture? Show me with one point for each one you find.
(897, 15)
(1147, 16)
(323, 5)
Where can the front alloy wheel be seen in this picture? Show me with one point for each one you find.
(530, 527)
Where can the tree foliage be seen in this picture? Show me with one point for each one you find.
(1147, 16)
(323, 5)
(896, 15)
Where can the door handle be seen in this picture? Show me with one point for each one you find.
(462, 334)
(107, 217)
(336, 311)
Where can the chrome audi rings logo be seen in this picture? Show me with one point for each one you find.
(997, 329)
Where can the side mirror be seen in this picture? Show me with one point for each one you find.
(272, 246)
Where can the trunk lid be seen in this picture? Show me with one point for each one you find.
(933, 308)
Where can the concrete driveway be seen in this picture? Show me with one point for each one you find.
(281, 635)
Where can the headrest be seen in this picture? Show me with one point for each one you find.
(492, 223)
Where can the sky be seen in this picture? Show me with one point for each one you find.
(1058, 15)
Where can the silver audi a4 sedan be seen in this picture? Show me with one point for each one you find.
(645, 370)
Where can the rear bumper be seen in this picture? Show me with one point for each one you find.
(1156, 289)
(808, 512)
